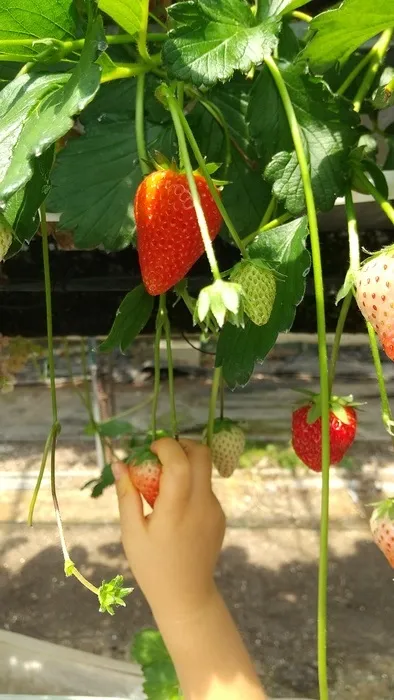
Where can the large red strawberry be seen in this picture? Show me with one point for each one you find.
(375, 296)
(382, 528)
(306, 431)
(168, 235)
(145, 473)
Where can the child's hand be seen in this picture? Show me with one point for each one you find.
(173, 551)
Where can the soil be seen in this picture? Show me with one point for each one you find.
(268, 567)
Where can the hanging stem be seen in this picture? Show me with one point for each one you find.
(323, 367)
(221, 396)
(378, 53)
(186, 130)
(156, 356)
(184, 156)
(302, 16)
(387, 416)
(39, 478)
(140, 126)
(171, 384)
(371, 189)
(268, 212)
(217, 374)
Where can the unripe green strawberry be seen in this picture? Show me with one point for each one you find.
(5, 236)
(259, 290)
(382, 528)
(228, 444)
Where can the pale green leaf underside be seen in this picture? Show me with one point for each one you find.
(220, 37)
(276, 8)
(339, 32)
(129, 14)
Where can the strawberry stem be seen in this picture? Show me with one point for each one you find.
(267, 227)
(323, 368)
(170, 365)
(371, 189)
(216, 378)
(354, 258)
(185, 158)
(378, 53)
(338, 334)
(37, 487)
(221, 397)
(143, 33)
(204, 170)
(156, 385)
(139, 125)
(387, 416)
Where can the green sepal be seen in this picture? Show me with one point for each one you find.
(346, 287)
(141, 454)
(111, 594)
(338, 405)
(383, 509)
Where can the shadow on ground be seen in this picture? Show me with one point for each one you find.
(274, 608)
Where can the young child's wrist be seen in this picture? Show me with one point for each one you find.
(183, 613)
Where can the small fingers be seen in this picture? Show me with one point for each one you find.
(131, 512)
(176, 479)
(201, 463)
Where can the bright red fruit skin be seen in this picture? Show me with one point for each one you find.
(168, 235)
(307, 437)
(145, 476)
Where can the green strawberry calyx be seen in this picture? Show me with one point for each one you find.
(222, 425)
(140, 455)
(221, 301)
(338, 405)
(159, 161)
(383, 509)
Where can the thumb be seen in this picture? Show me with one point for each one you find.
(129, 501)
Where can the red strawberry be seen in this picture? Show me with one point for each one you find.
(306, 432)
(382, 528)
(168, 235)
(375, 297)
(145, 473)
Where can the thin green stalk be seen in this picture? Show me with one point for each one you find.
(268, 213)
(217, 374)
(338, 335)
(184, 155)
(48, 305)
(323, 367)
(140, 125)
(170, 365)
(354, 73)
(126, 70)
(156, 355)
(143, 32)
(272, 224)
(221, 397)
(387, 416)
(354, 243)
(302, 16)
(217, 114)
(37, 487)
(379, 52)
(371, 189)
(204, 170)
(88, 398)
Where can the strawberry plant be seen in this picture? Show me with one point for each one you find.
(163, 125)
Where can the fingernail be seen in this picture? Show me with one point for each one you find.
(117, 470)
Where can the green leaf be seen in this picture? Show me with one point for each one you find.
(132, 316)
(129, 14)
(150, 652)
(239, 349)
(36, 111)
(246, 195)
(20, 20)
(328, 130)
(22, 208)
(96, 175)
(115, 428)
(337, 33)
(105, 480)
(214, 38)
